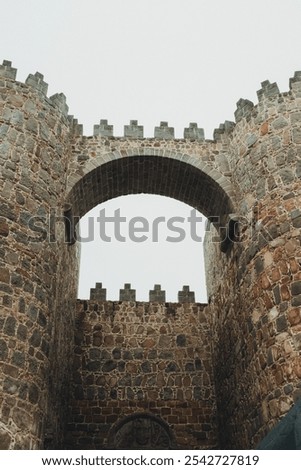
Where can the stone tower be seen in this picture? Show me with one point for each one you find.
(246, 182)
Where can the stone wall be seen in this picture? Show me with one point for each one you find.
(36, 321)
(255, 288)
(139, 357)
(247, 178)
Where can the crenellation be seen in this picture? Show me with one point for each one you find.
(133, 130)
(164, 131)
(7, 71)
(244, 109)
(75, 127)
(36, 81)
(103, 129)
(59, 100)
(127, 294)
(194, 132)
(98, 293)
(295, 85)
(157, 295)
(295, 79)
(268, 90)
(224, 129)
(185, 295)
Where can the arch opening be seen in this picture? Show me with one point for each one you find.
(154, 175)
(166, 249)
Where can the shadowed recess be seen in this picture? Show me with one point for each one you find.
(152, 175)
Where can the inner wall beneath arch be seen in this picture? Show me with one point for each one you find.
(139, 357)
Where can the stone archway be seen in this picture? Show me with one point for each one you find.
(169, 177)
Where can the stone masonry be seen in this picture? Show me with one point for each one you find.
(133, 357)
(246, 181)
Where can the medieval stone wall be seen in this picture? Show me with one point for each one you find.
(140, 357)
(36, 321)
(255, 288)
(248, 176)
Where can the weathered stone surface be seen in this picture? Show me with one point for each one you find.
(296, 287)
(250, 173)
(4, 275)
(3, 350)
(144, 375)
(5, 440)
(181, 340)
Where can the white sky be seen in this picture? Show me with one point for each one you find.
(153, 60)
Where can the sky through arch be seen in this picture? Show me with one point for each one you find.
(169, 251)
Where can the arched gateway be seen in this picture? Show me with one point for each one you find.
(245, 344)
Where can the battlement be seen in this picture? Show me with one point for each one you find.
(7, 71)
(127, 294)
(267, 94)
(36, 82)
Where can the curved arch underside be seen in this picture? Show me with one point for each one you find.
(152, 175)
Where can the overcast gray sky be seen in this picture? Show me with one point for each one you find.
(153, 60)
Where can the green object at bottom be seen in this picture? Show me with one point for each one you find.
(287, 434)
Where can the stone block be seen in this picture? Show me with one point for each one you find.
(4, 275)
(186, 295)
(194, 132)
(243, 110)
(98, 293)
(296, 135)
(181, 340)
(295, 79)
(36, 81)
(296, 301)
(59, 100)
(103, 129)
(5, 440)
(164, 131)
(268, 90)
(7, 71)
(133, 130)
(3, 350)
(279, 123)
(10, 326)
(76, 128)
(157, 295)
(4, 228)
(127, 294)
(296, 288)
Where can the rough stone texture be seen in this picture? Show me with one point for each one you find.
(246, 182)
(36, 299)
(254, 290)
(157, 295)
(98, 293)
(127, 293)
(137, 357)
(186, 295)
